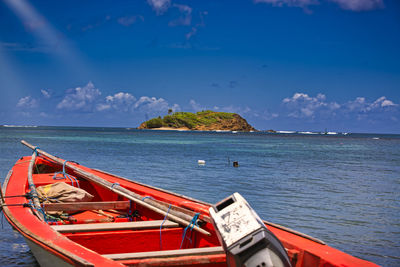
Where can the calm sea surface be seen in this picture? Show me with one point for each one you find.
(344, 190)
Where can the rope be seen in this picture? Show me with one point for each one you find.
(190, 226)
(165, 218)
(149, 197)
(39, 210)
(66, 175)
(35, 150)
(27, 195)
(130, 210)
(114, 184)
(51, 218)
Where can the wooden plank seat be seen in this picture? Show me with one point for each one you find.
(113, 226)
(80, 206)
(166, 253)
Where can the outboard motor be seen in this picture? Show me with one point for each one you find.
(245, 238)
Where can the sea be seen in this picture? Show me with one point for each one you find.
(341, 188)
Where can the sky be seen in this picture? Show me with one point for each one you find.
(303, 65)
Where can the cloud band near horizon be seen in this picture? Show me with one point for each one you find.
(299, 107)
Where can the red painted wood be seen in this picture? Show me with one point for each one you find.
(89, 246)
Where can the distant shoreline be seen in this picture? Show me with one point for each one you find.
(338, 133)
(170, 129)
(183, 129)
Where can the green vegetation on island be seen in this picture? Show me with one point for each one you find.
(203, 120)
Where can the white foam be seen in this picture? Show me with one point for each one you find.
(307, 133)
(286, 132)
(20, 126)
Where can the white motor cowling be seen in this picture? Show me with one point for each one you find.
(245, 238)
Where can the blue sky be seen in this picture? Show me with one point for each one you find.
(281, 64)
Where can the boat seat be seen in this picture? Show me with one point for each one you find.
(79, 206)
(113, 226)
(166, 253)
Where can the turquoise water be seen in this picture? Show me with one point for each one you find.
(341, 189)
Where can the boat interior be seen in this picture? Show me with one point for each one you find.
(119, 228)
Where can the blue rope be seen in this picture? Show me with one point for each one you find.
(146, 197)
(190, 226)
(166, 215)
(39, 210)
(66, 175)
(35, 150)
(130, 210)
(114, 184)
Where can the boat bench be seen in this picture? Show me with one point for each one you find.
(79, 206)
(166, 253)
(114, 226)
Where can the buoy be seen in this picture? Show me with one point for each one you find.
(235, 164)
(201, 162)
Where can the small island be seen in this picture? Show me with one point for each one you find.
(201, 121)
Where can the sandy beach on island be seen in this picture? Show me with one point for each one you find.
(171, 129)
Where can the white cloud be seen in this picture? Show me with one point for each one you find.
(362, 106)
(302, 105)
(193, 31)
(119, 101)
(353, 5)
(387, 103)
(359, 5)
(87, 99)
(25, 114)
(196, 106)
(186, 16)
(44, 115)
(233, 109)
(190, 34)
(80, 98)
(175, 108)
(45, 93)
(159, 6)
(27, 102)
(358, 104)
(129, 20)
(121, 97)
(103, 107)
(270, 116)
(381, 102)
(152, 104)
(296, 3)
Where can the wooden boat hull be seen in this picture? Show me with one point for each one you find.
(44, 257)
(150, 246)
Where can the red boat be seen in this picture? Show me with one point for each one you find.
(126, 222)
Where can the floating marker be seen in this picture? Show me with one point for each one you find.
(201, 162)
(235, 164)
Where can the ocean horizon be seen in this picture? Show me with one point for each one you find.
(268, 131)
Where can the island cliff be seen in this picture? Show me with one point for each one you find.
(201, 121)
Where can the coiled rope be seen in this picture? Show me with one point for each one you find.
(65, 175)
